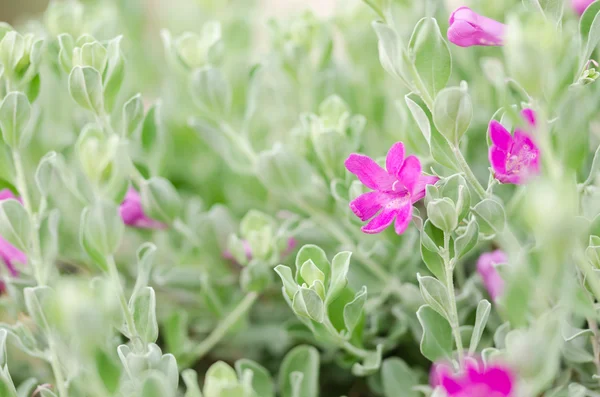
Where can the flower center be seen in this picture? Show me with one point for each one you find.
(515, 162)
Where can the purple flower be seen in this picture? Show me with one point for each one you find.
(515, 158)
(494, 381)
(579, 6)
(394, 191)
(467, 28)
(8, 252)
(133, 214)
(486, 267)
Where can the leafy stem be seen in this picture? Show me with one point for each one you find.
(343, 343)
(453, 314)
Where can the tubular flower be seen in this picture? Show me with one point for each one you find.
(395, 189)
(133, 214)
(494, 381)
(486, 267)
(8, 252)
(579, 6)
(514, 159)
(467, 28)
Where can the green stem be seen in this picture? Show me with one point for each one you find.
(343, 343)
(35, 259)
(464, 167)
(114, 276)
(449, 271)
(219, 332)
(420, 86)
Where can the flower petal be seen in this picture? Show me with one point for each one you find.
(529, 116)
(419, 190)
(395, 158)
(369, 172)
(499, 380)
(497, 158)
(381, 221)
(367, 205)
(10, 254)
(410, 173)
(403, 218)
(499, 135)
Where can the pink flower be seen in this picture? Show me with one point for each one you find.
(467, 28)
(581, 5)
(133, 214)
(514, 158)
(494, 381)
(8, 252)
(394, 191)
(486, 267)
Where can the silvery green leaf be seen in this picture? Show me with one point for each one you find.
(15, 112)
(310, 272)
(452, 113)
(64, 17)
(262, 383)
(114, 74)
(12, 50)
(219, 376)
(371, 363)
(396, 375)
(442, 214)
(569, 332)
(237, 249)
(433, 261)
(26, 388)
(436, 342)
(431, 55)
(340, 265)
(143, 308)
(94, 55)
(420, 117)
(190, 378)
(481, 317)
(317, 256)
(15, 225)
(491, 216)
(160, 200)
(256, 277)
(3, 336)
(37, 300)
(109, 370)
(133, 114)
(435, 294)
(46, 173)
(354, 310)
(65, 54)
(390, 51)
(255, 221)
(305, 361)
(7, 388)
(155, 385)
(307, 303)
(589, 27)
(456, 189)
(432, 237)
(467, 240)
(85, 86)
(101, 231)
(290, 287)
(211, 91)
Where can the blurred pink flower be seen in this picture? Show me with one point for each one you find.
(8, 252)
(395, 190)
(493, 381)
(581, 5)
(467, 28)
(486, 267)
(133, 214)
(514, 158)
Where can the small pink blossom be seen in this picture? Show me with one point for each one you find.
(515, 158)
(395, 190)
(493, 381)
(486, 267)
(579, 6)
(467, 28)
(133, 214)
(8, 252)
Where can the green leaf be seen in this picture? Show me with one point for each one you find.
(15, 225)
(420, 117)
(431, 55)
(37, 300)
(481, 318)
(211, 91)
(302, 360)
(219, 376)
(371, 363)
(589, 27)
(442, 214)
(160, 200)
(94, 55)
(390, 50)
(133, 114)
(340, 265)
(143, 308)
(310, 272)
(354, 311)
(452, 112)
(289, 284)
(101, 231)
(396, 375)
(108, 370)
(467, 240)
(12, 50)
(262, 383)
(114, 74)
(190, 378)
(307, 303)
(156, 385)
(15, 112)
(433, 261)
(317, 256)
(436, 342)
(85, 86)
(149, 136)
(491, 216)
(435, 294)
